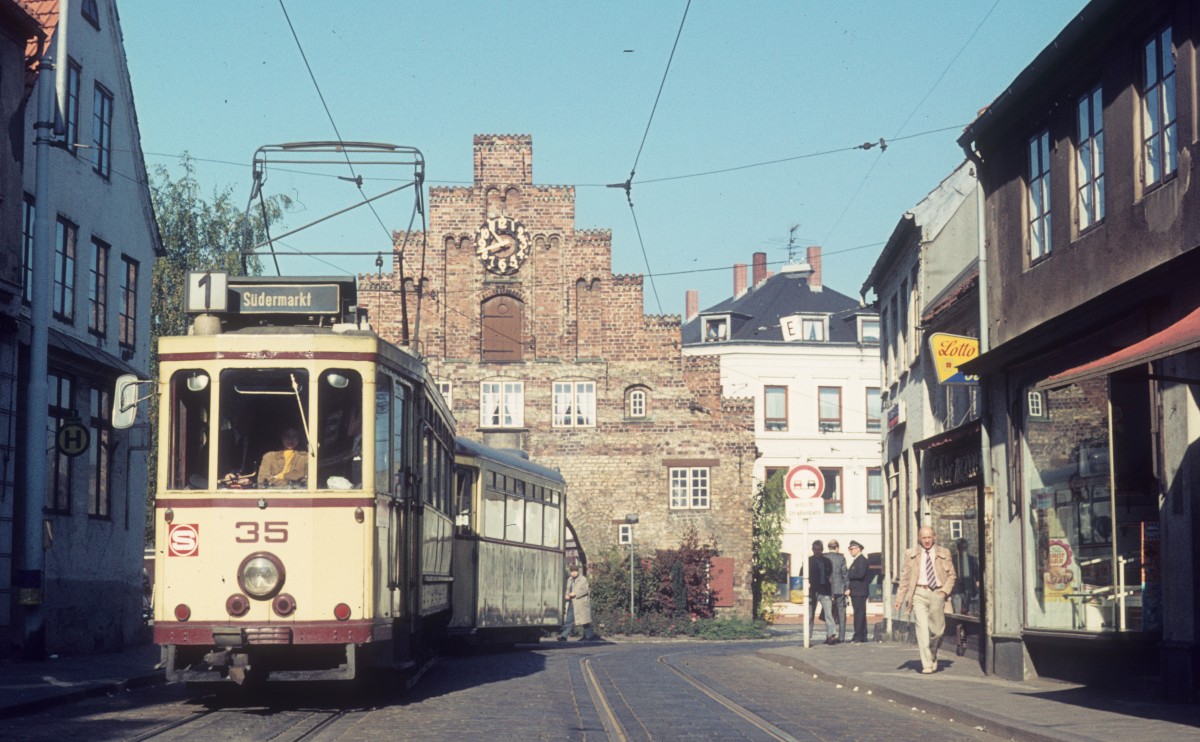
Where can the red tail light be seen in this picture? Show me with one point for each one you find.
(237, 605)
(182, 612)
(341, 611)
(284, 605)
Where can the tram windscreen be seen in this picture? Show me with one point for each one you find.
(262, 436)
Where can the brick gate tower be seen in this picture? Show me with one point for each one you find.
(539, 346)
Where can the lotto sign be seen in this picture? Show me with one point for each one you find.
(950, 352)
(183, 539)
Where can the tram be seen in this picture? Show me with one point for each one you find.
(310, 510)
(508, 547)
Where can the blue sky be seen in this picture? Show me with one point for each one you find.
(750, 82)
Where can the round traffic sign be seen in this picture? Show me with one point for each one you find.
(803, 481)
(73, 438)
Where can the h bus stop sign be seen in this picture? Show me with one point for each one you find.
(804, 486)
(73, 438)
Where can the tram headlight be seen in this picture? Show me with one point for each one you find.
(261, 575)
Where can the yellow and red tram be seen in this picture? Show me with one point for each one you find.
(305, 514)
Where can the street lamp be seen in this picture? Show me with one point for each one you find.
(630, 519)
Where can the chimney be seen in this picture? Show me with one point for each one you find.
(693, 305)
(760, 267)
(739, 279)
(814, 260)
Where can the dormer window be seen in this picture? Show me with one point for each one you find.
(868, 330)
(716, 330)
(812, 328)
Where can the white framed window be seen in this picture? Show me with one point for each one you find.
(868, 329)
(812, 329)
(1036, 405)
(689, 488)
(874, 410)
(956, 530)
(1039, 195)
(716, 329)
(446, 388)
(775, 408)
(574, 404)
(1089, 159)
(874, 490)
(829, 404)
(502, 404)
(637, 402)
(624, 533)
(1159, 129)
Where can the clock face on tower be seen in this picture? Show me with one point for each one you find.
(502, 245)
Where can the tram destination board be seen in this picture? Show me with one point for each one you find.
(221, 293)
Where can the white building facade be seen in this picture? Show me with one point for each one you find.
(87, 585)
(809, 358)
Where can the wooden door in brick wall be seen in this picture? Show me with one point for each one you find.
(501, 338)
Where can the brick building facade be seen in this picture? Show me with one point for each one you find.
(540, 347)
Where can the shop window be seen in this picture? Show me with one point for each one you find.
(1086, 545)
(953, 517)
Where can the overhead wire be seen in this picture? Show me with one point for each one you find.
(628, 184)
(357, 179)
(837, 222)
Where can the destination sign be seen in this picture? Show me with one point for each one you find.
(287, 298)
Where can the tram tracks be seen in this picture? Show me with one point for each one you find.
(292, 725)
(616, 731)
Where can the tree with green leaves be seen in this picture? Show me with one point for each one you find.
(769, 516)
(197, 235)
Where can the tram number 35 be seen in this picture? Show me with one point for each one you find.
(272, 532)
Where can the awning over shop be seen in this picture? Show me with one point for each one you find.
(1182, 336)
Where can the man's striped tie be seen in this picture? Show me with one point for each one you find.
(930, 575)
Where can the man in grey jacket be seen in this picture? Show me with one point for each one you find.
(839, 585)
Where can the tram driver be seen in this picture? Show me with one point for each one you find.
(287, 467)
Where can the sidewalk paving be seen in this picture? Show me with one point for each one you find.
(1037, 709)
(26, 687)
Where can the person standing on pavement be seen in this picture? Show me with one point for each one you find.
(839, 588)
(859, 578)
(926, 580)
(819, 591)
(579, 607)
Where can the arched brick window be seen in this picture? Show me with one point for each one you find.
(502, 341)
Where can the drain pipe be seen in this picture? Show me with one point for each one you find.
(988, 511)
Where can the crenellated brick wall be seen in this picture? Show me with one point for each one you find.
(579, 322)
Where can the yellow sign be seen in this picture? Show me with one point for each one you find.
(951, 351)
